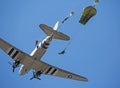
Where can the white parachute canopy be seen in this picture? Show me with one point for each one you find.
(71, 13)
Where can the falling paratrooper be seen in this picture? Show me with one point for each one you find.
(88, 13)
(65, 19)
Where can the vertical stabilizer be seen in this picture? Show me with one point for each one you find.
(56, 26)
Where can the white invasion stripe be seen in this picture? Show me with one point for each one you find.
(13, 53)
(8, 50)
(51, 71)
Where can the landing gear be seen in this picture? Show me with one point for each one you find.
(36, 75)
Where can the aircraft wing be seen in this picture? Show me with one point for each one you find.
(26, 59)
(14, 53)
(51, 70)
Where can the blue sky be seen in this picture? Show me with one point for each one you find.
(94, 50)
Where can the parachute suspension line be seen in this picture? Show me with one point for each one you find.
(63, 51)
(68, 44)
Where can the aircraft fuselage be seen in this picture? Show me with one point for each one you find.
(37, 53)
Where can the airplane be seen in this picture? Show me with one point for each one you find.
(33, 61)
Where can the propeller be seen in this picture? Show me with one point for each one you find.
(13, 68)
(14, 65)
(36, 75)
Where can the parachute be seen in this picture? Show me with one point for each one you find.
(96, 1)
(88, 13)
(72, 14)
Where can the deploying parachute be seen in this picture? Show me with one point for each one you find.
(71, 14)
(96, 1)
(88, 13)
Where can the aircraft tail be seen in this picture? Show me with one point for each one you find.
(56, 26)
(57, 35)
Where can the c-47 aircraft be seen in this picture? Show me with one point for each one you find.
(33, 61)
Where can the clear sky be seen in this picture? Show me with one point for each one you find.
(94, 50)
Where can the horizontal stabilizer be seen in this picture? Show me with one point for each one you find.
(57, 35)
